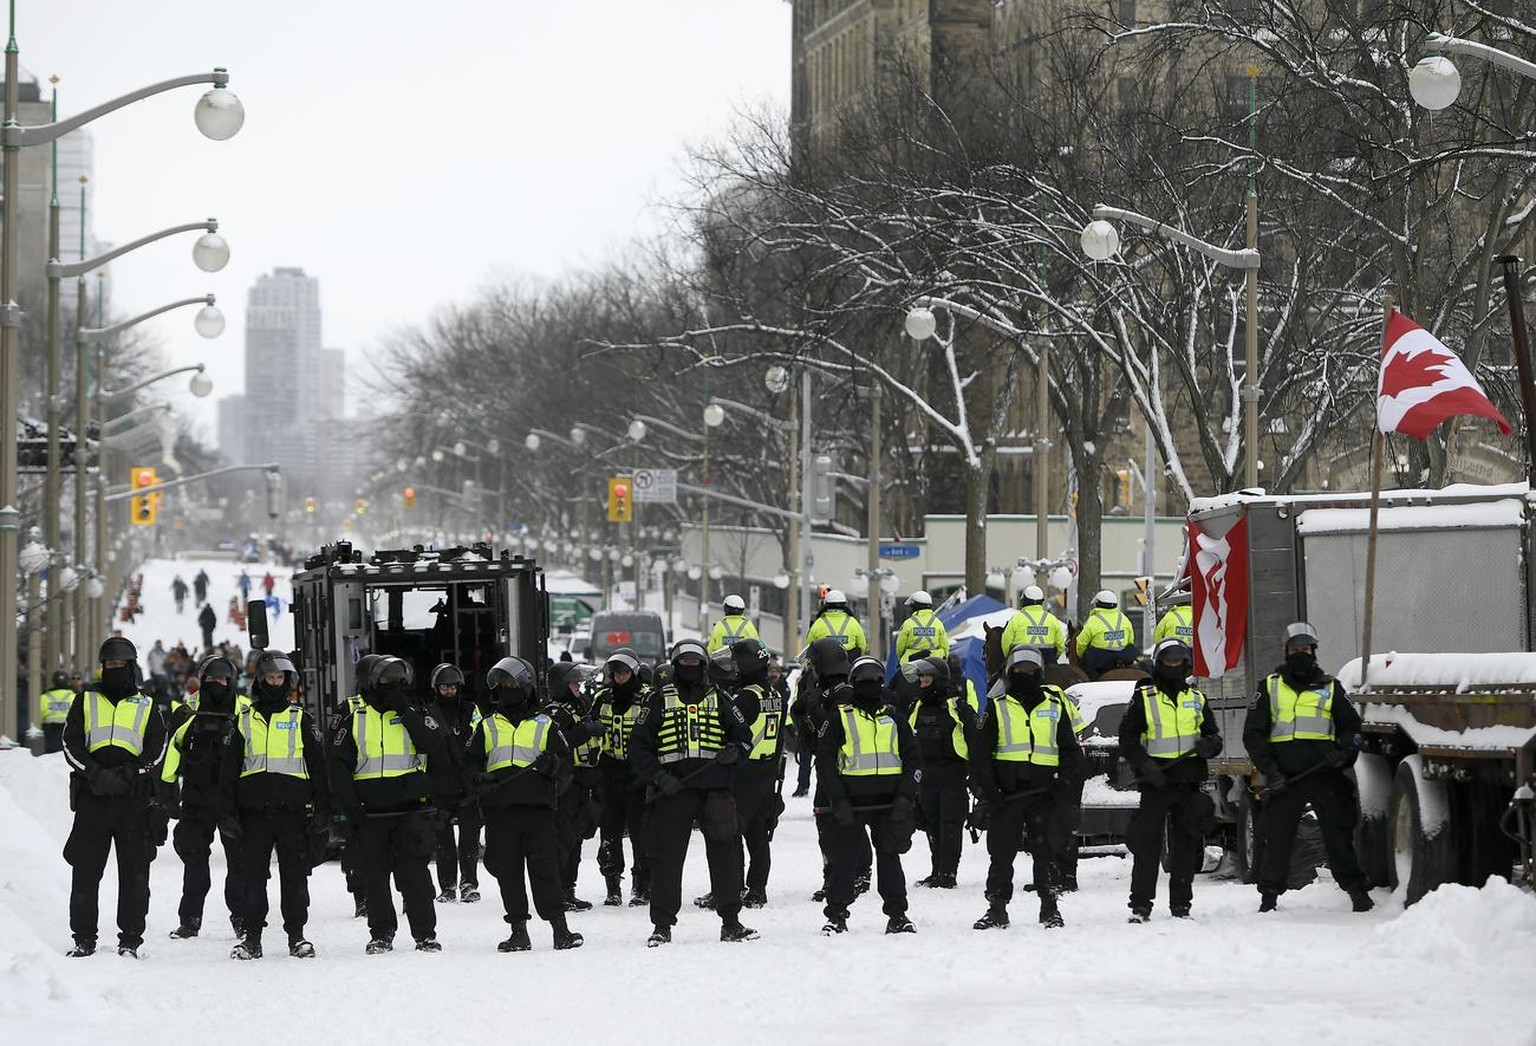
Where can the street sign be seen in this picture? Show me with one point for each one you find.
(899, 551)
(656, 485)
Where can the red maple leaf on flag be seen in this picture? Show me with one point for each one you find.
(1413, 372)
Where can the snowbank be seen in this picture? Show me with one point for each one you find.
(1463, 671)
(1504, 513)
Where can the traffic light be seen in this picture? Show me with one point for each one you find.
(360, 506)
(410, 497)
(1142, 585)
(309, 506)
(144, 508)
(621, 506)
(1123, 492)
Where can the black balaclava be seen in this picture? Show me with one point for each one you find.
(866, 692)
(515, 702)
(216, 696)
(689, 675)
(1301, 666)
(1171, 676)
(270, 695)
(118, 683)
(1025, 687)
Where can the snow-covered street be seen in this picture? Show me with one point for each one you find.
(160, 620)
(1455, 969)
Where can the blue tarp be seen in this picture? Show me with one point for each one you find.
(970, 650)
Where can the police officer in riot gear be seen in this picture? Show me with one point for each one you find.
(944, 723)
(520, 761)
(619, 703)
(684, 744)
(1303, 733)
(113, 740)
(194, 755)
(760, 777)
(870, 768)
(458, 853)
(378, 773)
(1166, 735)
(579, 810)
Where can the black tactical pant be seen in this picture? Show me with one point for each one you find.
(524, 836)
(755, 790)
(672, 818)
(458, 849)
(53, 738)
(1069, 816)
(192, 839)
(100, 824)
(1179, 810)
(625, 812)
(1332, 796)
(945, 804)
(1024, 824)
(851, 845)
(399, 845)
(285, 831)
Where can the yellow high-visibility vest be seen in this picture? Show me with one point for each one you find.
(508, 745)
(1305, 715)
(384, 746)
(273, 744)
(870, 744)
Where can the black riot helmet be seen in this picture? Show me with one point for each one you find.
(117, 648)
(867, 670)
(751, 657)
(511, 681)
(272, 661)
(390, 671)
(216, 667)
(59, 680)
(722, 668)
(362, 673)
(446, 675)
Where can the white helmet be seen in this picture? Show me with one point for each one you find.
(1106, 598)
(919, 599)
(1034, 594)
(734, 605)
(835, 596)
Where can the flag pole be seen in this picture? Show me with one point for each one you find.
(1378, 451)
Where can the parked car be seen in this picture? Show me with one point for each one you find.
(1109, 797)
(640, 630)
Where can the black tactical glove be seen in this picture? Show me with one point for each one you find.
(157, 821)
(901, 810)
(1153, 775)
(980, 816)
(108, 782)
(229, 828)
(1275, 781)
(1208, 746)
(775, 809)
(730, 755)
(1341, 757)
(666, 784)
(546, 763)
(842, 813)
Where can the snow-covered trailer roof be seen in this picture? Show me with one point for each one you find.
(1450, 703)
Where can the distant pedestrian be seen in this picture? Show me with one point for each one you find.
(206, 621)
(200, 586)
(268, 583)
(244, 584)
(274, 606)
(179, 593)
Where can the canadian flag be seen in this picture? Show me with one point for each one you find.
(1423, 383)
(1218, 576)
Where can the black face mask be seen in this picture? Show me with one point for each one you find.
(1301, 663)
(270, 693)
(867, 691)
(1171, 674)
(688, 675)
(117, 680)
(1023, 684)
(214, 697)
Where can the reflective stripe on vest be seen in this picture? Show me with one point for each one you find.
(957, 738)
(769, 721)
(56, 705)
(618, 727)
(1115, 634)
(508, 746)
(1171, 731)
(1299, 716)
(1028, 736)
(273, 745)
(115, 726)
(869, 745)
(384, 747)
(689, 731)
(1183, 623)
(1039, 629)
(730, 633)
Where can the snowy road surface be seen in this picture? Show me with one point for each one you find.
(160, 620)
(1456, 968)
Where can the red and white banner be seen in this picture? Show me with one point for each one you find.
(1218, 576)
(1423, 383)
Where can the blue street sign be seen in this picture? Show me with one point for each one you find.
(899, 551)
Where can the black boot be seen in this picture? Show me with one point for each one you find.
(1360, 901)
(1050, 914)
(576, 904)
(518, 941)
(1140, 913)
(659, 936)
(734, 931)
(996, 918)
(1267, 901)
(615, 897)
(565, 937)
(899, 924)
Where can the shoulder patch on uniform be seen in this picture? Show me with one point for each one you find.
(429, 722)
(641, 715)
(821, 731)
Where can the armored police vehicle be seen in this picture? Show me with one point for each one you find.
(428, 606)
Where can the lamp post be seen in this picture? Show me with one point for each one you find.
(714, 415)
(218, 115)
(1100, 242)
(209, 323)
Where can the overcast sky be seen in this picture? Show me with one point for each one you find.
(403, 152)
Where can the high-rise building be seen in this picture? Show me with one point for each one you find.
(333, 383)
(283, 370)
(232, 428)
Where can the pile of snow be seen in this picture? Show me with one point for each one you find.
(1464, 672)
(1504, 513)
(1519, 491)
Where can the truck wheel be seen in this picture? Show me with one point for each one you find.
(1245, 852)
(1373, 779)
(1420, 832)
